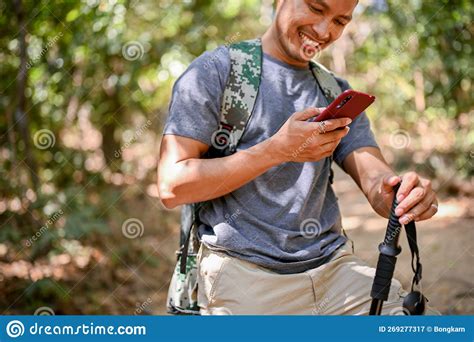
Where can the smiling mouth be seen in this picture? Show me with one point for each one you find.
(308, 42)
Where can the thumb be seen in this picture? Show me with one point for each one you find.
(388, 183)
(307, 113)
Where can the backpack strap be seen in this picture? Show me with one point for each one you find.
(237, 106)
(326, 80)
(331, 90)
(239, 95)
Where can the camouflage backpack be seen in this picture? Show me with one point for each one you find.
(236, 108)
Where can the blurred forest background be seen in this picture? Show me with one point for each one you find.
(84, 90)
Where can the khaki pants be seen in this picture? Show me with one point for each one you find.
(229, 286)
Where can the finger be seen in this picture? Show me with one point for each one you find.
(409, 181)
(417, 196)
(417, 211)
(428, 213)
(330, 146)
(332, 124)
(426, 184)
(389, 182)
(307, 113)
(332, 136)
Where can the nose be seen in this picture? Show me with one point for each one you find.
(322, 29)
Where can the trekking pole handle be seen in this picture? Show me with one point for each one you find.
(390, 246)
(389, 249)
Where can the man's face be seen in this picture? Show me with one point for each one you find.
(304, 27)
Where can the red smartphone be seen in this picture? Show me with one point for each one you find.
(347, 105)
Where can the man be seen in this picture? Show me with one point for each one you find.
(272, 240)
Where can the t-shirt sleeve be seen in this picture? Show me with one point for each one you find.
(196, 97)
(360, 134)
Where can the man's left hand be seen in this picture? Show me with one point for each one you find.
(416, 198)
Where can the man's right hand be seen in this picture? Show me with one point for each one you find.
(299, 140)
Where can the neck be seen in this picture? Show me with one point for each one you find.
(271, 46)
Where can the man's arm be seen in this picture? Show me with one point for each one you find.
(185, 177)
(368, 168)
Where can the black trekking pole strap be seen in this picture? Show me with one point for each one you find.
(416, 266)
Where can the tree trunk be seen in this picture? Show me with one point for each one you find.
(20, 113)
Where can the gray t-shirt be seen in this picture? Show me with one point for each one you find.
(288, 218)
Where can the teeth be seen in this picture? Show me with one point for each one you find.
(307, 40)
